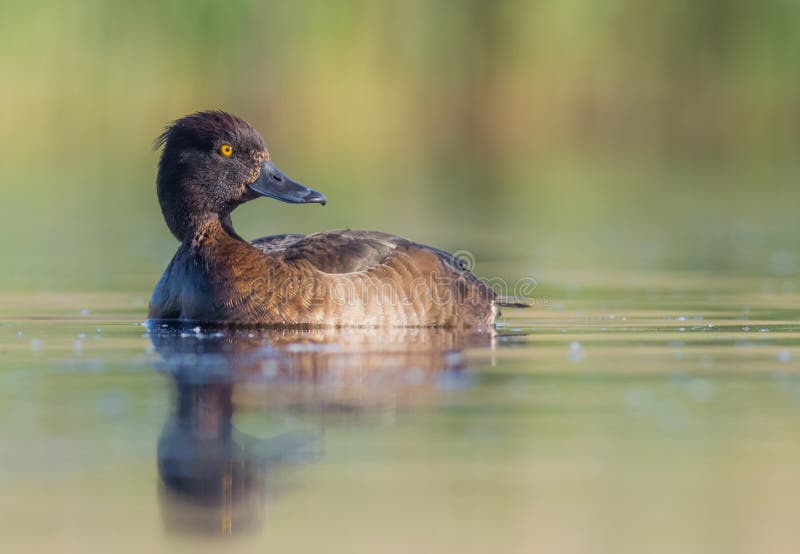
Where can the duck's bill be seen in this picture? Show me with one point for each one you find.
(274, 183)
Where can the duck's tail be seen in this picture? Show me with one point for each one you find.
(514, 302)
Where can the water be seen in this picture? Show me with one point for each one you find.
(657, 413)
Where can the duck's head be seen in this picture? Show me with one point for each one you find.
(212, 162)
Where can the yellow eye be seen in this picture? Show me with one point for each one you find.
(226, 150)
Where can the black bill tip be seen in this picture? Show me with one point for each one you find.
(272, 182)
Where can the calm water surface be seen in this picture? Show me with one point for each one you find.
(653, 413)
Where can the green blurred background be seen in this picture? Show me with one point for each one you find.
(581, 135)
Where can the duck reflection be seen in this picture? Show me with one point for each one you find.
(287, 385)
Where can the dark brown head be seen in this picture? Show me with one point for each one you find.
(212, 162)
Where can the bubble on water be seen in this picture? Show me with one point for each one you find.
(112, 404)
(783, 263)
(673, 418)
(453, 359)
(269, 368)
(745, 328)
(414, 376)
(19, 333)
(576, 352)
(452, 380)
(682, 318)
(702, 390)
(99, 330)
(763, 330)
(637, 398)
(784, 356)
(81, 335)
(681, 329)
(85, 311)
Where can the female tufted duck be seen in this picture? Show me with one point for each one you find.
(211, 163)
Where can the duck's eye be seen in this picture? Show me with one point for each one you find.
(226, 150)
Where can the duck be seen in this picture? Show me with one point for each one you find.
(211, 162)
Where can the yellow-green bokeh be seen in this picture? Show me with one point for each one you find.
(574, 134)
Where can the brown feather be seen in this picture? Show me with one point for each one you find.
(338, 278)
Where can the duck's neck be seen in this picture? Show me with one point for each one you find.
(210, 227)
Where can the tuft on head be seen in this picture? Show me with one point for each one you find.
(202, 129)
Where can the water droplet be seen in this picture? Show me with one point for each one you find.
(783, 263)
(269, 369)
(415, 376)
(638, 397)
(701, 390)
(576, 352)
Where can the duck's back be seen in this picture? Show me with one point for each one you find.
(341, 251)
(414, 284)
